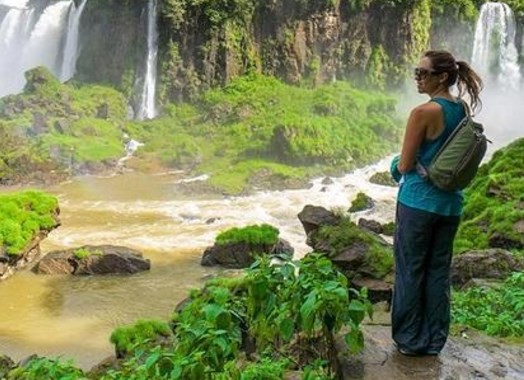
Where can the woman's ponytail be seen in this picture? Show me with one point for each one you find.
(469, 81)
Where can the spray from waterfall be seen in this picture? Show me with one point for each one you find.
(146, 107)
(29, 39)
(495, 55)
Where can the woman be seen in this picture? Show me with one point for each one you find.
(427, 217)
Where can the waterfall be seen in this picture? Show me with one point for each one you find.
(494, 52)
(29, 38)
(71, 44)
(146, 107)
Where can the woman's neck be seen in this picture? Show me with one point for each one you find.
(442, 93)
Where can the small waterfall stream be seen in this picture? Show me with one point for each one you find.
(71, 47)
(146, 107)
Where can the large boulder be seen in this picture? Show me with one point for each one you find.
(485, 264)
(88, 260)
(242, 254)
(364, 257)
(313, 217)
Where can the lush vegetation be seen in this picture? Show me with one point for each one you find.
(257, 126)
(497, 311)
(128, 339)
(256, 234)
(273, 319)
(22, 216)
(494, 201)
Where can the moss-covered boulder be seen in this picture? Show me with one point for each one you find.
(239, 247)
(490, 264)
(383, 178)
(361, 255)
(494, 209)
(361, 202)
(25, 219)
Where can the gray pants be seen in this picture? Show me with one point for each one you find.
(421, 298)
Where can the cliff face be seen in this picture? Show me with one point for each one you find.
(295, 40)
(112, 42)
(206, 43)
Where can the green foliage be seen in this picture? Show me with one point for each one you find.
(497, 311)
(44, 368)
(378, 67)
(22, 216)
(280, 308)
(259, 124)
(256, 234)
(128, 339)
(493, 201)
(59, 125)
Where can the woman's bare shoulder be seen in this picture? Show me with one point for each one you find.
(429, 109)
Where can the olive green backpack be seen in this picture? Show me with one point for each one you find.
(457, 161)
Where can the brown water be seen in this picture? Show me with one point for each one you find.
(73, 317)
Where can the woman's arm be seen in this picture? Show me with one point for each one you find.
(413, 137)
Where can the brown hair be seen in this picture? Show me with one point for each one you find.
(459, 73)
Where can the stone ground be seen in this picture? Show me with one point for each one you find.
(471, 356)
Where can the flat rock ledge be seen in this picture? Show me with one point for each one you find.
(470, 357)
(92, 260)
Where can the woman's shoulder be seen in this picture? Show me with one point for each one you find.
(429, 109)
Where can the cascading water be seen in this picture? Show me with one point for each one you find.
(494, 52)
(146, 107)
(29, 39)
(495, 58)
(71, 44)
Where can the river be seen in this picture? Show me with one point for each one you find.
(73, 317)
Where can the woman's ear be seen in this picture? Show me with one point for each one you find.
(444, 77)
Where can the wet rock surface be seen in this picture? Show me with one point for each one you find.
(477, 357)
(103, 259)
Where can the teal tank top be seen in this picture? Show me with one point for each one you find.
(419, 193)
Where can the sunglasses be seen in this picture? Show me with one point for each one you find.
(421, 73)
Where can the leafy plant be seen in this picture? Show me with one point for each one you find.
(44, 368)
(497, 311)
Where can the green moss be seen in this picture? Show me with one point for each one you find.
(361, 202)
(83, 253)
(22, 216)
(254, 234)
(129, 338)
(379, 257)
(493, 202)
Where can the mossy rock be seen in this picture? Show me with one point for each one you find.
(354, 249)
(361, 202)
(383, 178)
(494, 204)
(23, 215)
